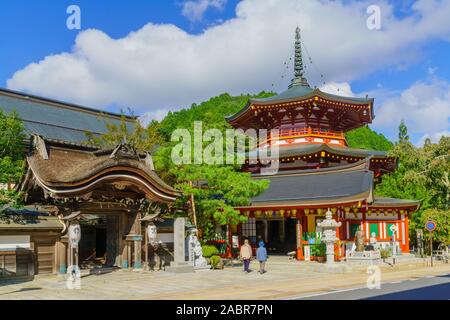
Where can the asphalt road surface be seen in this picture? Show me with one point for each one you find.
(427, 288)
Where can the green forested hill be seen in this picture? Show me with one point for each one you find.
(213, 112)
(366, 138)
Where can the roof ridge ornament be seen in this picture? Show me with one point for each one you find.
(299, 71)
(125, 150)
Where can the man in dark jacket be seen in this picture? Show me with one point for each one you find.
(261, 255)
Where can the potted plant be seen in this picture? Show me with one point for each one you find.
(320, 252)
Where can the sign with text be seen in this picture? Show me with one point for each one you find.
(430, 225)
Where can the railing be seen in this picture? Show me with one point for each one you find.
(302, 132)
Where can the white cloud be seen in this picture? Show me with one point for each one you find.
(424, 106)
(161, 67)
(338, 88)
(195, 9)
(153, 115)
(435, 137)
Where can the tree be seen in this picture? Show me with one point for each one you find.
(217, 189)
(422, 174)
(11, 158)
(402, 132)
(224, 188)
(143, 139)
(366, 138)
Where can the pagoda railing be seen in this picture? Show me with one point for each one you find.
(306, 132)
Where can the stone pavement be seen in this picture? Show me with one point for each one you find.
(284, 280)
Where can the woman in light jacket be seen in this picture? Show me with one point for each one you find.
(246, 255)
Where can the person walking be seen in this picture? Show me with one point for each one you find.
(261, 255)
(246, 255)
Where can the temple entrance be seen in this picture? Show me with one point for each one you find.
(99, 244)
(281, 236)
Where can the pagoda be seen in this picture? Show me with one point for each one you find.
(317, 170)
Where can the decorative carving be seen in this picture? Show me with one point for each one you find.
(125, 150)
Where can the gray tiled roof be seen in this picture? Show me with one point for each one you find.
(57, 120)
(299, 187)
(29, 218)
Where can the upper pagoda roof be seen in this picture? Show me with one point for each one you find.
(300, 92)
(301, 104)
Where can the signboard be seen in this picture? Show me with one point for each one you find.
(307, 253)
(430, 225)
(235, 241)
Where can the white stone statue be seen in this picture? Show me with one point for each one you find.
(195, 250)
(373, 240)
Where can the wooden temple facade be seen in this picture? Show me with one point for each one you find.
(112, 195)
(317, 170)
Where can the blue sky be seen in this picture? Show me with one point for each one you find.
(31, 30)
(401, 71)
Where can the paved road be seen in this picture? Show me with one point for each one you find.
(427, 288)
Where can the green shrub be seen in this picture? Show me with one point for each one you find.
(215, 261)
(385, 253)
(209, 251)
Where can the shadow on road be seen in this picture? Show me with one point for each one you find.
(435, 292)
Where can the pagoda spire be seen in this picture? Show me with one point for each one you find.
(299, 71)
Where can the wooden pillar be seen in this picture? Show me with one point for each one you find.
(69, 255)
(407, 232)
(146, 264)
(129, 256)
(311, 223)
(137, 263)
(282, 230)
(62, 255)
(123, 228)
(266, 231)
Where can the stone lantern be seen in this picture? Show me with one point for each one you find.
(329, 226)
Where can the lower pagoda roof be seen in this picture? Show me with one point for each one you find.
(332, 152)
(318, 187)
(383, 202)
(306, 149)
(333, 186)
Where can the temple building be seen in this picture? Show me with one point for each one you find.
(109, 195)
(318, 171)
